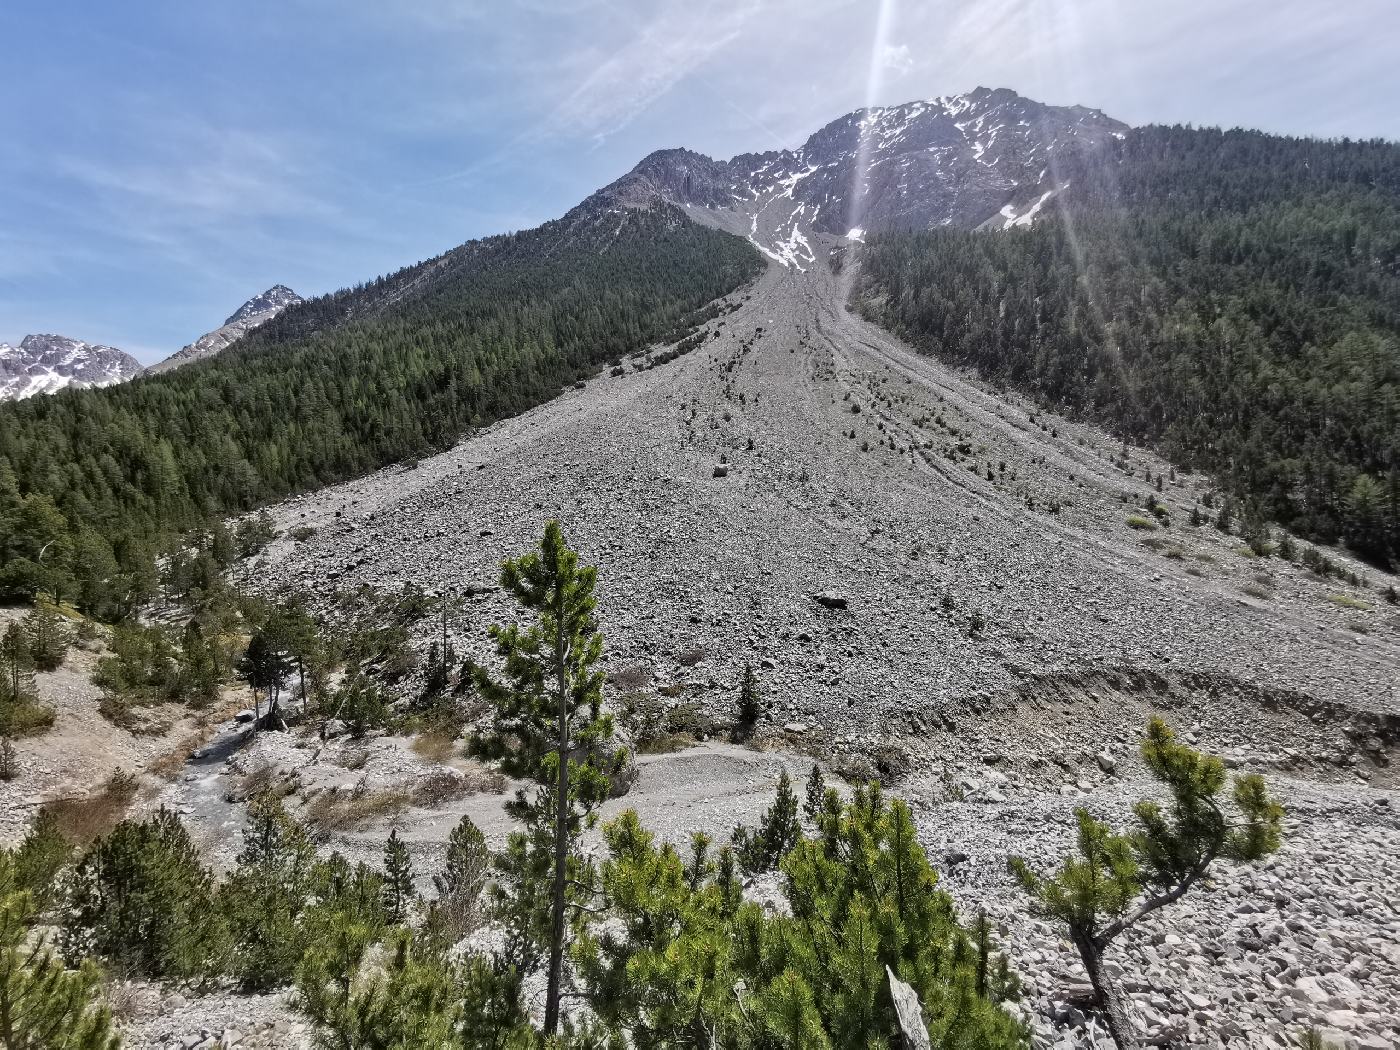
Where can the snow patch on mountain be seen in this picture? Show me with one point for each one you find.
(45, 364)
(954, 161)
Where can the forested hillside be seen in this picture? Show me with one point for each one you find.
(92, 482)
(1231, 298)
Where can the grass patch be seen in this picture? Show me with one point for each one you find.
(1346, 601)
(333, 811)
(1256, 591)
(631, 679)
(83, 820)
(447, 785)
(266, 779)
(1137, 521)
(434, 746)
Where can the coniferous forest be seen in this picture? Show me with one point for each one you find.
(93, 482)
(1231, 298)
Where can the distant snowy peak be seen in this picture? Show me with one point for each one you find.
(984, 158)
(44, 364)
(256, 311)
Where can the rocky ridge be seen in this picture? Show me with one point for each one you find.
(256, 311)
(44, 364)
(986, 158)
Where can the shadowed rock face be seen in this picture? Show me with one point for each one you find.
(961, 161)
(256, 311)
(42, 364)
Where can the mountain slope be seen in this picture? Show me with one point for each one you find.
(256, 311)
(341, 385)
(1231, 298)
(959, 161)
(44, 364)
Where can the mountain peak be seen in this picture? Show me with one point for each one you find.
(258, 310)
(982, 158)
(275, 299)
(44, 363)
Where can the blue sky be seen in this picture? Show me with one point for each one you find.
(160, 162)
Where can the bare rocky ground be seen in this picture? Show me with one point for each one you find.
(1004, 636)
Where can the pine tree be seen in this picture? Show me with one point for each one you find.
(815, 800)
(40, 856)
(399, 893)
(263, 899)
(47, 635)
(750, 706)
(141, 898)
(16, 665)
(1118, 879)
(42, 1005)
(549, 726)
(764, 847)
(462, 882)
(264, 666)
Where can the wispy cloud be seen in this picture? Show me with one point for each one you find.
(679, 39)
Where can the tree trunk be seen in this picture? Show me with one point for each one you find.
(1110, 1003)
(561, 832)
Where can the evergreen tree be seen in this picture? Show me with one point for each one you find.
(672, 960)
(461, 884)
(1117, 879)
(399, 893)
(764, 847)
(47, 635)
(42, 1005)
(264, 666)
(750, 706)
(40, 856)
(141, 899)
(16, 665)
(263, 899)
(815, 801)
(549, 726)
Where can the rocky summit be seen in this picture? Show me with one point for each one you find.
(43, 364)
(258, 310)
(989, 157)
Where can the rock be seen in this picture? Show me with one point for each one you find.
(1106, 762)
(910, 1014)
(795, 727)
(334, 727)
(721, 470)
(831, 600)
(244, 716)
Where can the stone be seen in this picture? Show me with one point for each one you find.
(909, 1013)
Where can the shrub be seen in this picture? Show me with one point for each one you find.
(141, 900)
(1136, 521)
